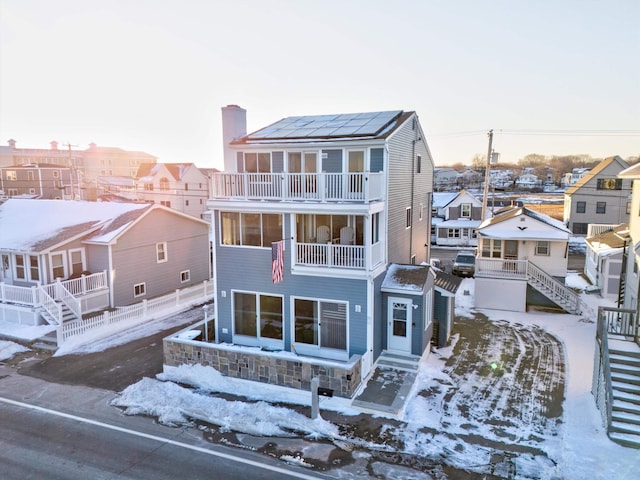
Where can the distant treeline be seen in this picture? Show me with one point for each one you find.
(543, 165)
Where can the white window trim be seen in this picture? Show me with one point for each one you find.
(315, 350)
(82, 256)
(256, 341)
(184, 273)
(166, 253)
(144, 289)
(537, 252)
(65, 268)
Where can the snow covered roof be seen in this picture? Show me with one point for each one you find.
(459, 223)
(409, 279)
(442, 199)
(146, 171)
(515, 223)
(38, 225)
(446, 283)
(610, 242)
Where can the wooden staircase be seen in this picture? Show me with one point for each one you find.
(554, 290)
(625, 407)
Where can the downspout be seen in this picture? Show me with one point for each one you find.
(413, 181)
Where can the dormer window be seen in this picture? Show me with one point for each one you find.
(465, 210)
(609, 184)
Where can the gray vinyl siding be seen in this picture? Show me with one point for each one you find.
(379, 316)
(399, 195)
(616, 200)
(134, 256)
(249, 269)
(377, 160)
(333, 162)
(240, 161)
(97, 258)
(441, 315)
(277, 162)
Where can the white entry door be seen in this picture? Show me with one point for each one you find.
(399, 325)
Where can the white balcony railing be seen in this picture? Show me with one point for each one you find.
(501, 268)
(322, 187)
(330, 255)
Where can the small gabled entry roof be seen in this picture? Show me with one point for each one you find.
(406, 279)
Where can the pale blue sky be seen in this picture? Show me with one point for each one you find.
(152, 75)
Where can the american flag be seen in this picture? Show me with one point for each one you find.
(277, 261)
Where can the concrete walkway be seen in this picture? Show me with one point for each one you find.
(388, 386)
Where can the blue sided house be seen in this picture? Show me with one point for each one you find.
(320, 238)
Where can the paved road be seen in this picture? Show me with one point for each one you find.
(68, 432)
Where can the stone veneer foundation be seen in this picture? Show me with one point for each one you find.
(267, 367)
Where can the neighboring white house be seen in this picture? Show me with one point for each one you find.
(458, 217)
(571, 178)
(528, 181)
(522, 260)
(604, 257)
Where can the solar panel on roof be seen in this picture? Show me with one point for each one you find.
(316, 126)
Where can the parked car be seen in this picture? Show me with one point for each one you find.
(464, 265)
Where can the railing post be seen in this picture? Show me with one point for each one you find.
(322, 186)
(144, 308)
(365, 188)
(2, 294)
(34, 295)
(60, 335)
(57, 289)
(83, 283)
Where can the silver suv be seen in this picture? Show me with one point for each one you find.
(464, 265)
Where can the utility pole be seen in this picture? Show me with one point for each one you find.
(487, 178)
(72, 169)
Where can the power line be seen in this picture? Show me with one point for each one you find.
(536, 132)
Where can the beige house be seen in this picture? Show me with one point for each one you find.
(180, 186)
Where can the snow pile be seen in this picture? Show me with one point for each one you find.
(176, 405)
(9, 349)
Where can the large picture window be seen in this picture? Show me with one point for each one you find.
(257, 316)
(250, 229)
(321, 323)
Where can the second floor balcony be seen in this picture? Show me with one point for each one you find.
(362, 187)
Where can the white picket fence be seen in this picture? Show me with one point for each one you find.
(126, 317)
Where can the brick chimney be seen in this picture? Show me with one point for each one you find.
(234, 126)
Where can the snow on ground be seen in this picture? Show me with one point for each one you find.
(9, 349)
(580, 448)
